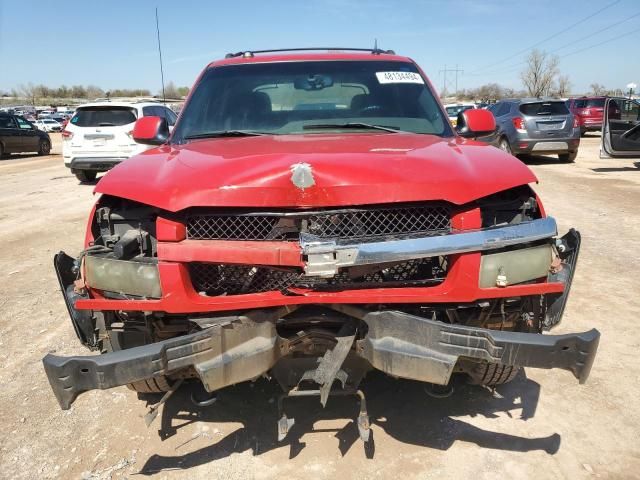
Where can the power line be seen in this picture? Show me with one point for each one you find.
(601, 43)
(515, 66)
(550, 36)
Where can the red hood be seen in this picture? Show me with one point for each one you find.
(352, 169)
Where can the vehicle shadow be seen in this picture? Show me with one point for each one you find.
(401, 408)
(541, 160)
(24, 156)
(635, 168)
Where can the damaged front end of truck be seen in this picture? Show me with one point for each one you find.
(468, 295)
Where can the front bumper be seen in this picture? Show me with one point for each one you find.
(397, 343)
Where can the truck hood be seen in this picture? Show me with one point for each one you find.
(314, 171)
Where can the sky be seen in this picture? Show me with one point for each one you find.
(113, 44)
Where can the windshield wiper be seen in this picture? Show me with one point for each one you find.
(225, 133)
(353, 125)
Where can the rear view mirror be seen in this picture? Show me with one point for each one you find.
(475, 123)
(151, 131)
(313, 82)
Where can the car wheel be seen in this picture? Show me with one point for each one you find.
(153, 385)
(85, 175)
(44, 148)
(505, 147)
(568, 157)
(1, 151)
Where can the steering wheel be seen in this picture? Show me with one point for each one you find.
(369, 109)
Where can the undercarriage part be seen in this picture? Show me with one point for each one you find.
(362, 223)
(239, 348)
(285, 423)
(153, 410)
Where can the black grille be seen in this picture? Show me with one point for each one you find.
(432, 219)
(224, 279)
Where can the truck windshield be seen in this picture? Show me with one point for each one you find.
(294, 97)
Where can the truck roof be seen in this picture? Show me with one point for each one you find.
(308, 55)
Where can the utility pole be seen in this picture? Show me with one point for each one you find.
(445, 77)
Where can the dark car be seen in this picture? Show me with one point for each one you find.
(588, 112)
(18, 135)
(537, 126)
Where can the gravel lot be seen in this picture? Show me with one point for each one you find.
(543, 425)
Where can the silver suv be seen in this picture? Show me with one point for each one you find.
(537, 126)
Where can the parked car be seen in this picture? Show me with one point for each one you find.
(453, 109)
(99, 135)
(621, 128)
(537, 126)
(18, 135)
(48, 125)
(313, 217)
(588, 112)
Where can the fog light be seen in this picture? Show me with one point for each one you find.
(515, 266)
(121, 276)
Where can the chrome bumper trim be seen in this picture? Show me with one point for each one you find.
(324, 257)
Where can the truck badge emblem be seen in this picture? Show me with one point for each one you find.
(302, 176)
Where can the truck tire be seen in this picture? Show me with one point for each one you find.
(85, 175)
(153, 385)
(159, 384)
(492, 374)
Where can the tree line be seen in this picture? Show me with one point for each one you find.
(42, 93)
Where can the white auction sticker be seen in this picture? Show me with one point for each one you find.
(399, 77)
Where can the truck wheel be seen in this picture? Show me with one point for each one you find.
(153, 385)
(568, 157)
(85, 175)
(492, 374)
(112, 343)
(44, 148)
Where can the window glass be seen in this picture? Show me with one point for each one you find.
(7, 122)
(292, 97)
(22, 123)
(544, 108)
(108, 116)
(630, 111)
(504, 109)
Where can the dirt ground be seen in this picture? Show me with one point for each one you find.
(543, 425)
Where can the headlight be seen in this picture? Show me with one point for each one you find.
(515, 266)
(122, 276)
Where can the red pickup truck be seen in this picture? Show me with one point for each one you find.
(314, 216)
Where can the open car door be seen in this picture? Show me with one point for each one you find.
(620, 128)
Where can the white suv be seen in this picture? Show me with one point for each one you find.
(99, 135)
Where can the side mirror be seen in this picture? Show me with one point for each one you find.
(475, 123)
(151, 131)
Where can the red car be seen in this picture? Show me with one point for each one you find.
(314, 216)
(589, 112)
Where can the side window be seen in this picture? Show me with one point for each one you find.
(7, 122)
(22, 123)
(630, 111)
(149, 111)
(171, 117)
(504, 109)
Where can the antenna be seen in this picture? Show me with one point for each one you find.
(164, 100)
